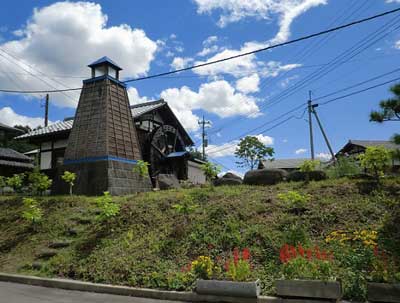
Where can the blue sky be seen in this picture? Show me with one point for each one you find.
(47, 45)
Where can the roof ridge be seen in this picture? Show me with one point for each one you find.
(147, 103)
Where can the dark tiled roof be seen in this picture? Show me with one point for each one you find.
(15, 164)
(53, 128)
(66, 125)
(9, 128)
(283, 163)
(10, 154)
(367, 143)
(105, 59)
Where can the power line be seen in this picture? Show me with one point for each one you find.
(360, 91)
(324, 32)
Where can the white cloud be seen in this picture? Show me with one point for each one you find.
(392, 1)
(285, 82)
(236, 10)
(323, 156)
(64, 37)
(11, 118)
(217, 97)
(179, 62)
(397, 45)
(300, 151)
(210, 40)
(267, 140)
(248, 84)
(134, 97)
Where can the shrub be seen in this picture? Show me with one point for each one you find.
(32, 211)
(238, 268)
(376, 160)
(294, 199)
(344, 166)
(108, 208)
(301, 263)
(316, 175)
(210, 170)
(202, 267)
(39, 182)
(308, 166)
(69, 178)
(16, 181)
(186, 207)
(141, 168)
(2, 183)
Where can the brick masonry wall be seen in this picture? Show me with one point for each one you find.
(94, 178)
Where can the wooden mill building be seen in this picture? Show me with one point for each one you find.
(107, 136)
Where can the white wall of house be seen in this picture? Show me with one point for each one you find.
(195, 174)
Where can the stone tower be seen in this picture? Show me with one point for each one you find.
(103, 144)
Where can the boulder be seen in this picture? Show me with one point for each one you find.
(228, 179)
(46, 254)
(316, 175)
(166, 181)
(264, 176)
(232, 176)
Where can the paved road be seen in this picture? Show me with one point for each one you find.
(21, 293)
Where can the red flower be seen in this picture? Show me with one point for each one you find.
(300, 250)
(376, 251)
(284, 253)
(292, 252)
(317, 253)
(210, 246)
(309, 254)
(236, 255)
(226, 265)
(323, 255)
(246, 254)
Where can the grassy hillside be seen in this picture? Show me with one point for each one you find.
(149, 242)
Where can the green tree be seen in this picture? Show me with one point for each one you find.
(250, 151)
(308, 166)
(39, 182)
(69, 178)
(375, 159)
(210, 170)
(389, 110)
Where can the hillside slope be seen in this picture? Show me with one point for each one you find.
(148, 243)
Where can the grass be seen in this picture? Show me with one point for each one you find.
(148, 242)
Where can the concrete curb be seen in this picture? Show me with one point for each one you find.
(129, 291)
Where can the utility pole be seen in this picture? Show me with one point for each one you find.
(310, 109)
(203, 124)
(46, 111)
(323, 132)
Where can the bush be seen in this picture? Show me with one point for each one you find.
(210, 170)
(16, 181)
(39, 182)
(344, 167)
(264, 176)
(202, 267)
(141, 168)
(299, 263)
(294, 199)
(108, 208)
(308, 166)
(376, 160)
(316, 175)
(32, 211)
(238, 268)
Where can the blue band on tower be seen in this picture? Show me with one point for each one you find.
(96, 159)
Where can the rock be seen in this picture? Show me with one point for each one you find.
(46, 254)
(37, 265)
(60, 244)
(166, 181)
(264, 176)
(232, 176)
(227, 181)
(316, 175)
